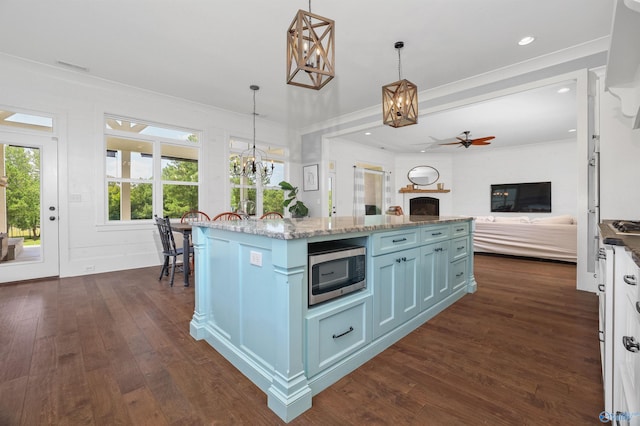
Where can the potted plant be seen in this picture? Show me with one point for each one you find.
(296, 207)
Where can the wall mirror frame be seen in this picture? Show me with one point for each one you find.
(423, 175)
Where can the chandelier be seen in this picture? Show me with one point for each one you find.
(255, 164)
(310, 48)
(400, 99)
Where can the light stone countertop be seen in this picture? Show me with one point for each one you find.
(632, 242)
(290, 229)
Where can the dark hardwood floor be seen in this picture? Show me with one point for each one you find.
(115, 348)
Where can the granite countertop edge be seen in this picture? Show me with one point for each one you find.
(290, 229)
(631, 242)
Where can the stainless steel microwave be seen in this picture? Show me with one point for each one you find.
(335, 269)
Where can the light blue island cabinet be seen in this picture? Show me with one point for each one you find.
(251, 295)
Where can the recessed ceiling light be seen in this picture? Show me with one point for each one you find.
(564, 90)
(572, 130)
(423, 150)
(526, 40)
(367, 133)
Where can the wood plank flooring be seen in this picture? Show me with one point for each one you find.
(115, 349)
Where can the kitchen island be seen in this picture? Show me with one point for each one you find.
(251, 295)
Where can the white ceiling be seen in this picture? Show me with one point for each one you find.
(210, 52)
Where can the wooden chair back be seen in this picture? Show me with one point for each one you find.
(271, 215)
(195, 216)
(227, 216)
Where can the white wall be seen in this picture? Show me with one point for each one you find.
(475, 169)
(619, 156)
(86, 243)
(345, 154)
(441, 162)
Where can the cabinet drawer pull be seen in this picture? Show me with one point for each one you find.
(436, 233)
(630, 279)
(328, 273)
(630, 344)
(459, 229)
(399, 260)
(460, 274)
(460, 248)
(437, 249)
(601, 288)
(336, 336)
(399, 240)
(601, 336)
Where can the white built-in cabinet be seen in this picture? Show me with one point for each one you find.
(619, 333)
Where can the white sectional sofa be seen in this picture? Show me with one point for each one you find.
(552, 237)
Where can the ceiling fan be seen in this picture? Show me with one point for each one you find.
(466, 142)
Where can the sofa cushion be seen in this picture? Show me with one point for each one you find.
(485, 219)
(555, 220)
(512, 219)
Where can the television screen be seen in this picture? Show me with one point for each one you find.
(532, 197)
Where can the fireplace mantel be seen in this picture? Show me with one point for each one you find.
(422, 191)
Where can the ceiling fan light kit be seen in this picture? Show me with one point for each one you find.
(310, 50)
(400, 99)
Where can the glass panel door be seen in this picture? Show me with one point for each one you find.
(28, 207)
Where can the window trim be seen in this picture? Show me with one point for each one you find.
(156, 181)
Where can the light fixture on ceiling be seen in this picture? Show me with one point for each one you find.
(564, 90)
(311, 49)
(254, 161)
(526, 40)
(367, 133)
(400, 99)
(572, 130)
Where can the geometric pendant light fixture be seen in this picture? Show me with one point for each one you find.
(400, 99)
(310, 50)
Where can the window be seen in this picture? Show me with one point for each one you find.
(26, 121)
(374, 190)
(251, 196)
(148, 167)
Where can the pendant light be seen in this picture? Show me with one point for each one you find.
(255, 164)
(310, 50)
(400, 99)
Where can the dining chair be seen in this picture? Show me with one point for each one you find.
(227, 216)
(271, 215)
(195, 216)
(169, 249)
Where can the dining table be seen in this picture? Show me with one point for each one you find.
(185, 229)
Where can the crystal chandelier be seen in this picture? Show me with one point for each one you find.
(255, 164)
(310, 48)
(400, 99)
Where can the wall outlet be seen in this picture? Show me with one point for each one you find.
(255, 258)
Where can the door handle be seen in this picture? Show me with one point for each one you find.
(52, 218)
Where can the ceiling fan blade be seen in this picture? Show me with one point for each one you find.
(476, 142)
(450, 143)
(488, 138)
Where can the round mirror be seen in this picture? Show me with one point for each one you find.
(423, 175)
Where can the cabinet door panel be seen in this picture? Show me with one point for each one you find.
(410, 305)
(458, 274)
(435, 274)
(395, 288)
(386, 275)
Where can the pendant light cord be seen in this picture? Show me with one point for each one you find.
(399, 66)
(254, 125)
(309, 6)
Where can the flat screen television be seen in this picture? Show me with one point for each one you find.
(532, 197)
